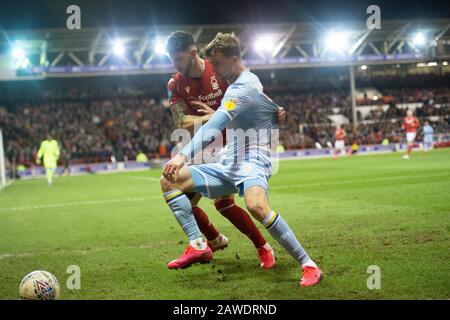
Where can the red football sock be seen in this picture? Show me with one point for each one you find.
(206, 227)
(241, 220)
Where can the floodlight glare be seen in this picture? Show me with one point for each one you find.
(160, 47)
(419, 39)
(264, 44)
(363, 67)
(18, 53)
(118, 48)
(337, 41)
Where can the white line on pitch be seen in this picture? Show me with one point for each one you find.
(82, 203)
(82, 251)
(305, 185)
(318, 184)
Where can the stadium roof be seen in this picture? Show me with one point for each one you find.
(89, 51)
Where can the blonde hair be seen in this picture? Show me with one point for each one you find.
(226, 43)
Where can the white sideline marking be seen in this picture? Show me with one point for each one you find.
(304, 185)
(356, 181)
(82, 203)
(77, 251)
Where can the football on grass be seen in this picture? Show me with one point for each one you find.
(39, 285)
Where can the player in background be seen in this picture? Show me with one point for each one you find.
(410, 124)
(339, 144)
(427, 137)
(245, 168)
(49, 151)
(194, 94)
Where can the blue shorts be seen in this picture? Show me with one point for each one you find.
(214, 180)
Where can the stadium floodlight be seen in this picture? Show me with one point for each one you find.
(20, 60)
(118, 48)
(363, 67)
(264, 44)
(160, 47)
(336, 41)
(18, 53)
(419, 39)
(445, 63)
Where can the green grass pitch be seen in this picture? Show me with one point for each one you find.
(349, 214)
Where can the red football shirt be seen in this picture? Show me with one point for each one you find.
(411, 124)
(208, 88)
(340, 134)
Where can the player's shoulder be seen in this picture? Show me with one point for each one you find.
(174, 80)
(208, 66)
(244, 84)
(248, 77)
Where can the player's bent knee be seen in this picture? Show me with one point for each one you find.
(166, 184)
(257, 209)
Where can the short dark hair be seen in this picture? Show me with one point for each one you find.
(226, 43)
(179, 41)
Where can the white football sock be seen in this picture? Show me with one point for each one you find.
(198, 243)
(310, 263)
(216, 241)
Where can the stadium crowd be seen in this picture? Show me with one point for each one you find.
(93, 124)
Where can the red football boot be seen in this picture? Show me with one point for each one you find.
(190, 256)
(266, 258)
(311, 276)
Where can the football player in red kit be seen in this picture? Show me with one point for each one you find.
(339, 144)
(194, 94)
(410, 124)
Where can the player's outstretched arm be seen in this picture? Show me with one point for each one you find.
(201, 139)
(203, 136)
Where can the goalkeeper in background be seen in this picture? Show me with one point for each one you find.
(49, 151)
